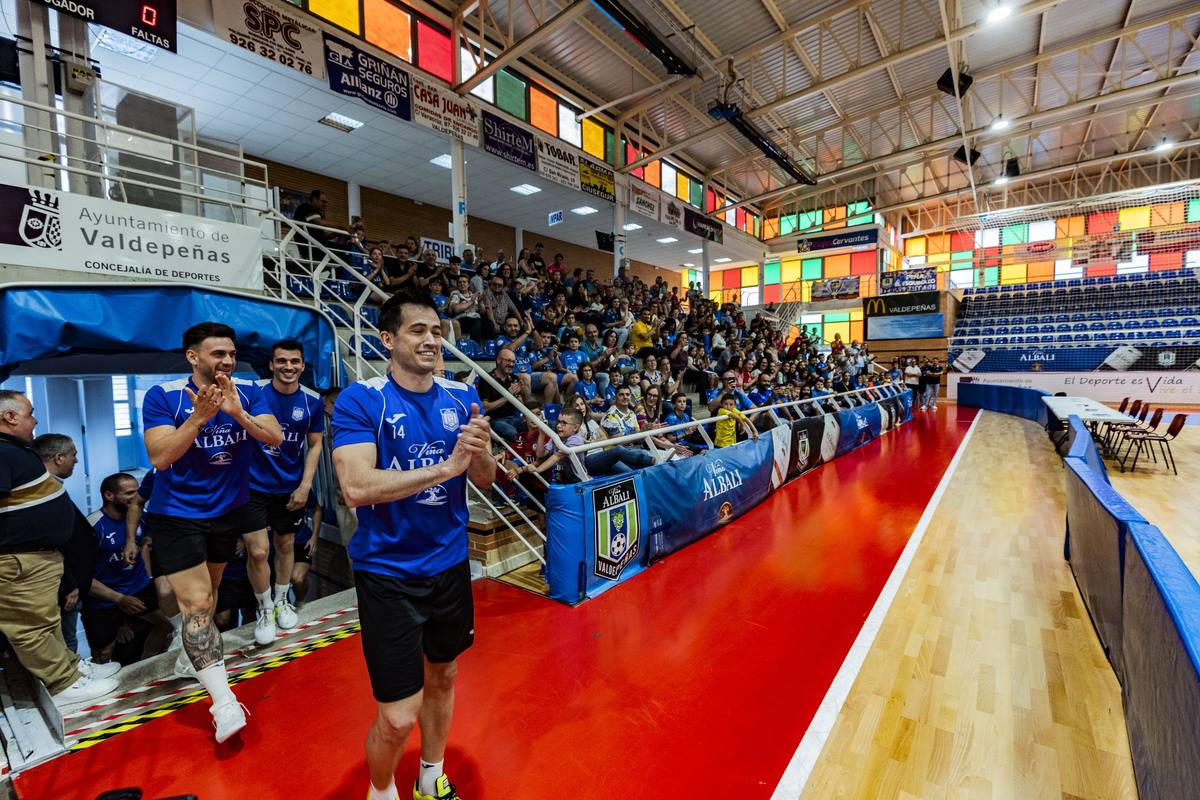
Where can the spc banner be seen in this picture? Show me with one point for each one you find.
(690, 498)
(912, 326)
(275, 31)
(58, 230)
(1159, 388)
(597, 180)
(556, 163)
(357, 73)
(699, 225)
(644, 201)
(510, 142)
(834, 288)
(442, 110)
(923, 279)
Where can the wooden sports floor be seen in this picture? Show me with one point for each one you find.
(700, 678)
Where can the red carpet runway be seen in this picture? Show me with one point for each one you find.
(696, 679)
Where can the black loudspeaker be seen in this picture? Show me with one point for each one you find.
(605, 242)
(946, 83)
(10, 67)
(150, 116)
(960, 155)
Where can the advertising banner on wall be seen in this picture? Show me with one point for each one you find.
(699, 225)
(671, 212)
(858, 240)
(357, 73)
(58, 230)
(858, 426)
(923, 279)
(911, 326)
(1159, 388)
(510, 142)
(556, 163)
(911, 303)
(834, 288)
(597, 180)
(443, 249)
(274, 30)
(444, 111)
(1123, 358)
(644, 201)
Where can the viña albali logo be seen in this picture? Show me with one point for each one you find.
(618, 531)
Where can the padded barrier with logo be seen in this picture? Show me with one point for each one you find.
(1015, 400)
(589, 549)
(1145, 606)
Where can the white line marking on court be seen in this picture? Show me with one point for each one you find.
(805, 758)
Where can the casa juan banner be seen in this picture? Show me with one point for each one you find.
(356, 73)
(911, 303)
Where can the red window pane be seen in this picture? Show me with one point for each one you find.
(733, 278)
(862, 263)
(962, 240)
(741, 218)
(711, 203)
(772, 294)
(433, 52)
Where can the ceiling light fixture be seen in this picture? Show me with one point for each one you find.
(583, 211)
(340, 121)
(998, 12)
(696, 250)
(525, 188)
(1163, 146)
(631, 226)
(722, 260)
(688, 264)
(443, 160)
(1000, 124)
(666, 240)
(1012, 169)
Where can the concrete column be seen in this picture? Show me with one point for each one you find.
(619, 248)
(762, 276)
(458, 195)
(353, 200)
(519, 234)
(704, 262)
(37, 86)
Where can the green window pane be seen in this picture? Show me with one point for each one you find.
(815, 330)
(807, 219)
(771, 273)
(962, 257)
(1014, 234)
(991, 276)
(1193, 210)
(836, 318)
(865, 219)
(510, 94)
(610, 150)
(859, 213)
(787, 224)
(811, 269)
(695, 193)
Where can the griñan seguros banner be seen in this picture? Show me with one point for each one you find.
(58, 230)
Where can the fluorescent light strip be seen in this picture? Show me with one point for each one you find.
(666, 240)
(525, 188)
(583, 211)
(443, 160)
(722, 260)
(697, 250)
(631, 226)
(340, 121)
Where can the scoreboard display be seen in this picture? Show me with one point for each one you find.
(152, 21)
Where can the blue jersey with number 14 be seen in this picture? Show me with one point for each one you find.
(278, 469)
(425, 533)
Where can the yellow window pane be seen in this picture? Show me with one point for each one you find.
(940, 258)
(805, 292)
(789, 270)
(343, 13)
(749, 276)
(833, 328)
(1012, 273)
(1133, 219)
(856, 316)
(914, 246)
(681, 186)
(715, 296)
(593, 139)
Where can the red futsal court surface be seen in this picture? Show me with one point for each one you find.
(696, 679)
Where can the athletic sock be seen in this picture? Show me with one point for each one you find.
(390, 793)
(264, 600)
(215, 681)
(176, 623)
(281, 592)
(427, 781)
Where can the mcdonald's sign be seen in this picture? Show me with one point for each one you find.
(892, 305)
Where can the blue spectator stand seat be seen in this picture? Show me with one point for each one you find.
(550, 412)
(369, 347)
(470, 348)
(370, 315)
(489, 348)
(301, 287)
(339, 315)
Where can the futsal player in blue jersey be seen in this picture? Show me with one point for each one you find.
(197, 432)
(280, 479)
(404, 447)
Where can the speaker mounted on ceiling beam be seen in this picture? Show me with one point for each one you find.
(946, 82)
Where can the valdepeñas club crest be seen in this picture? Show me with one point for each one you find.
(618, 534)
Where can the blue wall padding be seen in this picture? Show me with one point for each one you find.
(1161, 690)
(1080, 444)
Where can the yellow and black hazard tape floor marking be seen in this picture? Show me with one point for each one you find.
(129, 723)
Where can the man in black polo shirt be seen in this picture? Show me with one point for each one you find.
(505, 419)
(313, 213)
(36, 518)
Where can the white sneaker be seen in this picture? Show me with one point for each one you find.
(93, 670)
(264, 629)
(84, 689)
(285, 615)
(184, 668)
(229, 719)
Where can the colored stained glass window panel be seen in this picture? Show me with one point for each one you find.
(836, 317)
(388, 27)
(749, 276)
(937, 243)
(989, 237)
(962, 278)
(695, 193)
(837, 266)
(1160, 261)
(812, 268)
(1040, 271)
(1012, 273)
(749, 296)
(771, 273)
(668, 178)
(681, 186)
(510, 94)
(962, 258)
(863, 263)
(807, 219)
(593, 139)
(543, 111)
(716, 280)
(434, 52)
(1043, 230)
(1134, 219)
(859, 213)
(1098, 270)
(789, 271)
(1014, 234)
(1193, 210)
(733, 278)
(940, 258)
(1070, 227)
(771, 228)
(715, 296)
(610, 151)
(991, 276)
(1106, 222)
(568, 127)
(710, 200)
(772, 294)
(343, 13)
(486, 90)
(741, 219)
(1167, 214)
(787, 224)
(962, 240)
(914, 246)
(653, 174)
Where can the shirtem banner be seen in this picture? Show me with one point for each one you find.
(510, 142)
(57, 230)
(357, 73)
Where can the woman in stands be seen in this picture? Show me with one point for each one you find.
(463, 306)
(587, 388)
(651, 376)
(413, 245)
